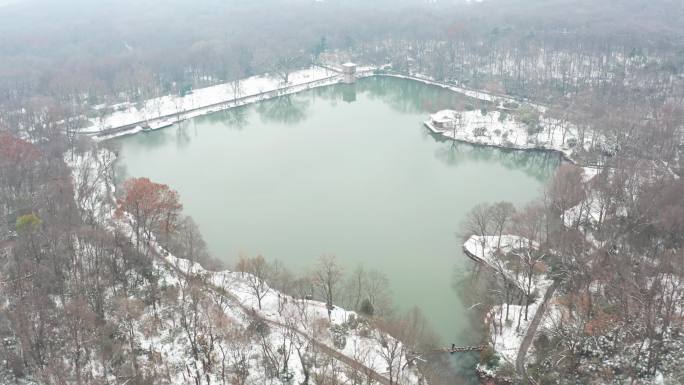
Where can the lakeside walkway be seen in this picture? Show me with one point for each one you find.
(361, 367)
(166, 110)
(531, 332)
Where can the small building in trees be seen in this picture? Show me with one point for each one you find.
(443, 120)
(349, 72)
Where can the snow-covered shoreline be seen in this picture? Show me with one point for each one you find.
(507, 338)
(167, 110)
(472, 93)
(516, 139)
(512, 135)
(485, 143)
(499, 130)
(504, 133)
(290, 318)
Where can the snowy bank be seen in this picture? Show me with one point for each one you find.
(340, 342)
(166, 110)
(507, 326)
(503, 130)
(155, 113)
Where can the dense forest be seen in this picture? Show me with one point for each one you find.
(91, 298)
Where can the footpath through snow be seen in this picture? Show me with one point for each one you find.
(166, 110)
(511, 338)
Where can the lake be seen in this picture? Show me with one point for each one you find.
(347, 170)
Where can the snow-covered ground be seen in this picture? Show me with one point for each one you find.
(490, 128)
(598, 352)
(293, 323)
(477, 127)
(92, 176)
(499, 100)
(485, 249)
(362, 343)
(598, 205)
(590, 210)
(166, 110)
(507, 336)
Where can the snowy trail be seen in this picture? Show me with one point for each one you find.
(512, 342)
(167, 110)
(532, 331)
(256, 316)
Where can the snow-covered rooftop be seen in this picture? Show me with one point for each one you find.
(444, 116)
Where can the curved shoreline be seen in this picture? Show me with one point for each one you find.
(245, 102)
(175, 118)
(564, 157)
(235, 289)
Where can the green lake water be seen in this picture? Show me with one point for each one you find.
(347, 170)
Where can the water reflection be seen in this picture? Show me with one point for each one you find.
(287, 109)
(336, 93)
(236, 118)
(183, 134)
(372, 138)
(401, 95)
(467, 286)
(537, 164)
(153, 139)
(405, 96)
(349, 93)
(415, 97)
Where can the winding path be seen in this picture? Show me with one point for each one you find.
(355, 364)
(532, 331)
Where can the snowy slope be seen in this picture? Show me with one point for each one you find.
(226, 308)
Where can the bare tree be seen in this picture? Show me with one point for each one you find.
(367, 291)
(258, 272)
(479, 222)
(502, 214)
(566, 188)
(327, 277)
